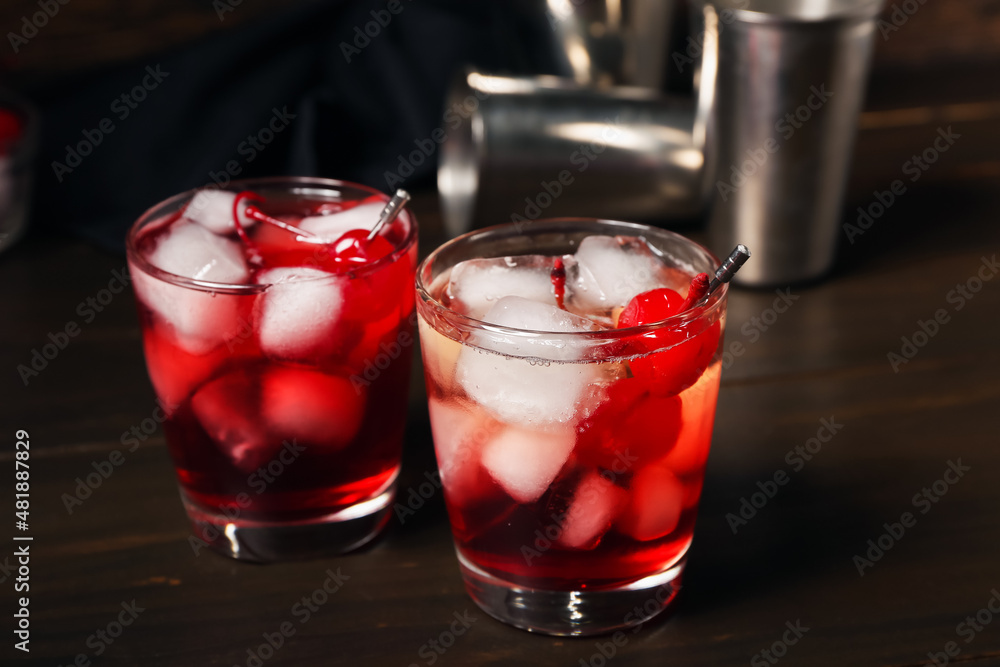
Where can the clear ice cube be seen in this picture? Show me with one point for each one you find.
(477, 284)
(213, 210)
(655, 504)
(607, 271)
(460, 432)
(228, 409)
(524, 462)
(595, 503)
(312, 407)
(332, 226)
(201, 319)
(299, 312)
(519, 377)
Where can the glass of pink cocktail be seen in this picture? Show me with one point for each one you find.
(278, 338)
(572, 371)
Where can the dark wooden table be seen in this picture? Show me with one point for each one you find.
(795, 562)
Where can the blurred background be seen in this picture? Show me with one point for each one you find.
(139, 100)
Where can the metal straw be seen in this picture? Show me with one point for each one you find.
(390, 212)
(730, 266)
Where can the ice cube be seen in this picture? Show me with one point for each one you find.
(201, 319)
(192, 251)
(477, 284)
(175, 372)
(519, 313)
(655, 502)
(213, 210)
(595, 504)
(529, 387)
(312, 407)
(607, 271)
(460, 431)
(228, 409)
(697, 419)
(298, 314)
(524, 462)
(331, 227)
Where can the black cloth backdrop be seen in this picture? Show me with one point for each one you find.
(351, 119)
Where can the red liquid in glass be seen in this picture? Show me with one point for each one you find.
(285, 439)
(622, 506)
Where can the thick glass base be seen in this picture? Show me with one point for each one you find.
(263, 542)
(572, 613)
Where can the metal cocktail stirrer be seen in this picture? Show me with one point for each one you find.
(730, 266)
(390, 212)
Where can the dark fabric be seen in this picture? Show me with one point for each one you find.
(351, 119)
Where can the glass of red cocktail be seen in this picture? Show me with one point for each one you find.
(278, 338)
(572, 371)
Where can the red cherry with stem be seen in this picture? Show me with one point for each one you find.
(241, 197)
(697, 291)
(672, 370)
(253, 252)
(359, 246)
(354, 249)
(652, 306)
(678, 354)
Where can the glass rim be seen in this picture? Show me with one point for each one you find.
(715, 302)
(136, 257)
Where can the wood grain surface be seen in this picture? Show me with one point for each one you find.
(824, 358)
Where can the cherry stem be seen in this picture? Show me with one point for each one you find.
(241, 197)
(696, 292)
(258, 215)
(558, 278)
(253, 253)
